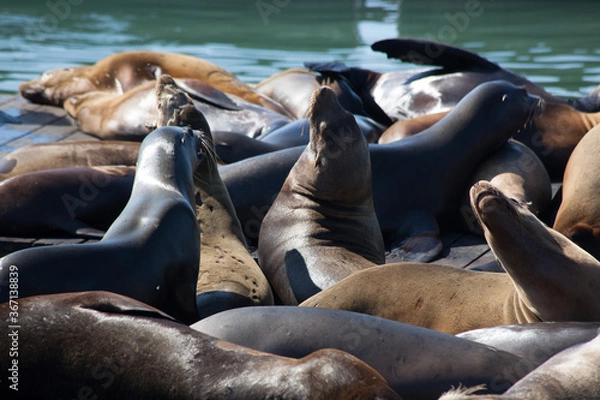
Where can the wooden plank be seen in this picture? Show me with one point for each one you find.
(463, 251)
(54, 132)
(56, 241)
(10, 244)
(78, 135)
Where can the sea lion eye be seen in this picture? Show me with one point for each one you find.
(504, 97)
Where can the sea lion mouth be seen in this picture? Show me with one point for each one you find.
(487, 200)
(538, 105)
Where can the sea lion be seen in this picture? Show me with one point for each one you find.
(293, 88)
(408, 206)
(552, 135)
(127, 116)
(404, 94)
(322, 226)
(151, 251)
(228, 275)
(536, 341)
(123, 71)
(84, 153)
(417, 363)
(549, 278)
(578, 216)
(81, 201)
(115, 343)
(570, 374)
(518, 173)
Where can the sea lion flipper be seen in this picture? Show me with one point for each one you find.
(417, 240)
(204, 92)
(332, 66)
(428, 52)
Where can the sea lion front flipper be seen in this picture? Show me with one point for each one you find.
(428, 52)
(417, 240)
(206, 93)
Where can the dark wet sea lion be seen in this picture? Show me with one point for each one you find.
(151, 251)
(548, 278)
(443, 157)
(578, 216)
(123, 71)
(85, 153)
(228, 276)
(111, 115)
(322, 226)
(570, 374)
(81, 201)
(115, 343)
(417, 363)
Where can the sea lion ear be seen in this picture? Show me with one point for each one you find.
(112, 303)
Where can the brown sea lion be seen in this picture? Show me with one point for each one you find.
(151, 251)
(122, 348)
(111, 115)
(518, 173)
(549, 278)
(578, 216)
(81, 201)
(417, 363)
(123, 71)
(571, 374)
(293, 88)
(84, 153)
(228, 275)
(322, 226)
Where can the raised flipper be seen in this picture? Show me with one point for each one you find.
(417, 240)
(428, 52)
(206, 93)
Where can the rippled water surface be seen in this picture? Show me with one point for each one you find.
(554, 43)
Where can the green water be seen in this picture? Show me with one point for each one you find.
(554, 43)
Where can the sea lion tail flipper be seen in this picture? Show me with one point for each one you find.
(204, 92)
(428, 52)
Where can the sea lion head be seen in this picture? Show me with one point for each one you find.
(516, 235)
(501, 101)
(54, 87)
(337, 150)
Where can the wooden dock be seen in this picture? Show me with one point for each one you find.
(23, 123)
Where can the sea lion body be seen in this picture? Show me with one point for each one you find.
(152, 247)
(571, 374)
(84, 153)
(80, 201)
(416, 362)
(115, 342)
(578, 216)
(322, 226)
